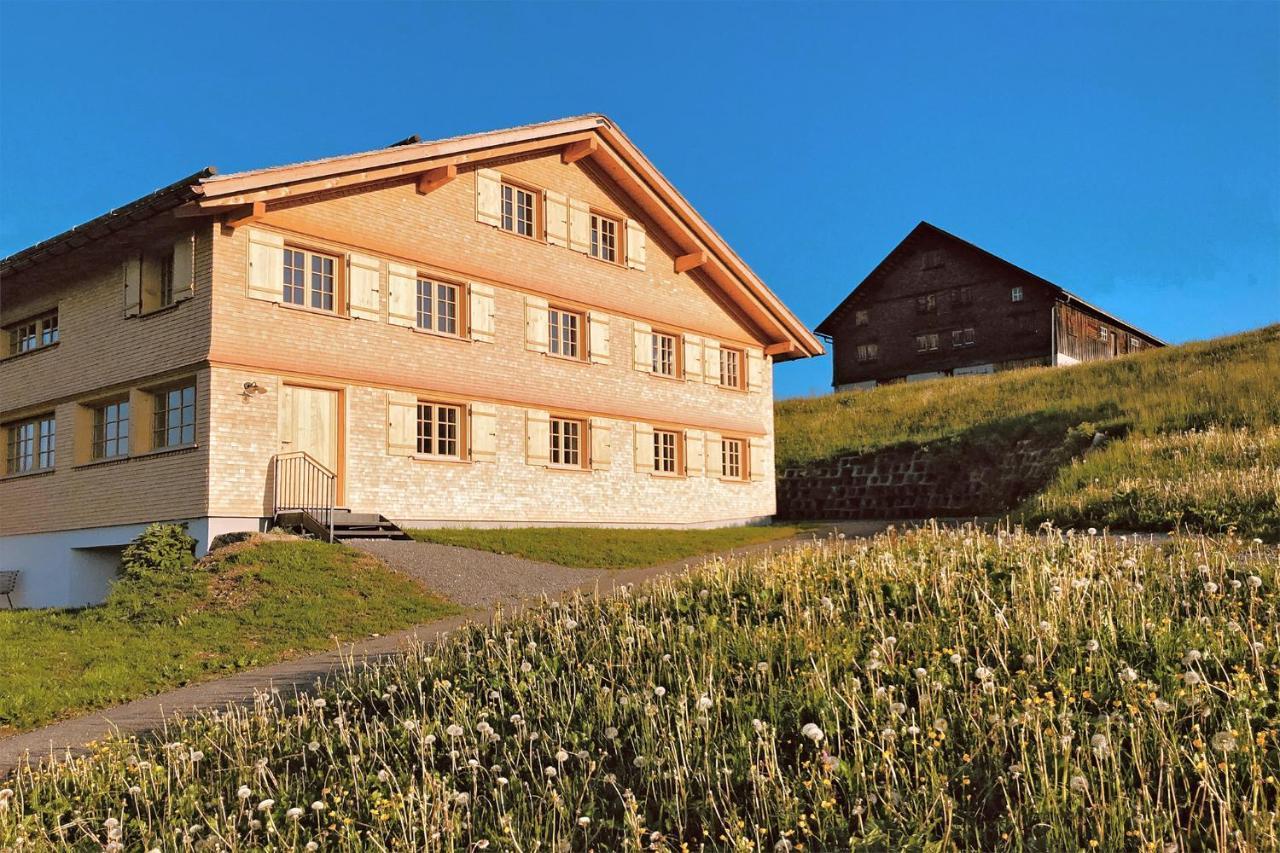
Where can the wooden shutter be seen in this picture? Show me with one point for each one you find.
(644, 448)
(537, 437)
(266, 265)
(598, 337)
(184, 267)
(601, 444)
(643, 347)
(402, 423)
(711, 361)
(535, 323)
(133, 286)
(402, 286)
(694, 452)
(579, 225)
(556, 207)
(363, 286)
(693, 358)
(756, 464)
(482, 313)
(636, 248)
(484, 432)
(488, 197)
(755, 370)
(714, 454)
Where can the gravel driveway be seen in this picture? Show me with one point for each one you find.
(480, 579)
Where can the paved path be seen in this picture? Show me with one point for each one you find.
(478, 580)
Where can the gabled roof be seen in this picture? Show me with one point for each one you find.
(826, 327)
(207, 194)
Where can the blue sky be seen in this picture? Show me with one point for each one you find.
(1129, 152)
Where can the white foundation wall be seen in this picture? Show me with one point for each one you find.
(75, 568)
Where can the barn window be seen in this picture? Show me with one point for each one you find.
(1015, 295)
(868, 352)
(861, 318)
(927, 343)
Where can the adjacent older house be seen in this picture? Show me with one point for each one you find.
(940, 306)
(523, 327)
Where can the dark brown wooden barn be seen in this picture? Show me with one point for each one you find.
(941, 306)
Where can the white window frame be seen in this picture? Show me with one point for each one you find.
(1015, 294)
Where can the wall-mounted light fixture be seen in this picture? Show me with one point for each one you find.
(252, 389)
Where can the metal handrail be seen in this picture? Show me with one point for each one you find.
(302, 484)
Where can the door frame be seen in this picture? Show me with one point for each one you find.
(340, 437)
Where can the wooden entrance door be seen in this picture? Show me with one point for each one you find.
(310, 421)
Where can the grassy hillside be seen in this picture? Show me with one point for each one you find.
(1198, 428)
(246, 605)
(937, 690)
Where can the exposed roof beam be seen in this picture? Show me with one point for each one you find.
(249, 213)
(691, 261)
(575, 151)
(436, 178)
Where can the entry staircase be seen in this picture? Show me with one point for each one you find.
(304, 494)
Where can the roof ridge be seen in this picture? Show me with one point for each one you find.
(408, 145)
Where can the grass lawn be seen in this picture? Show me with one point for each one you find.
(254, 605)
(604, 548)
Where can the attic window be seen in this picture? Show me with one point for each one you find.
(931, 259)
(861, 318)
(518, 210)
(1015, 295)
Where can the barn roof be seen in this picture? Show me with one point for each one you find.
(827, 326)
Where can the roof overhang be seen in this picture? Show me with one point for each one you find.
(162, 200)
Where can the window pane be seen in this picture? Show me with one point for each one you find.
(447, 308)
(425, 305)
(294, 276)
